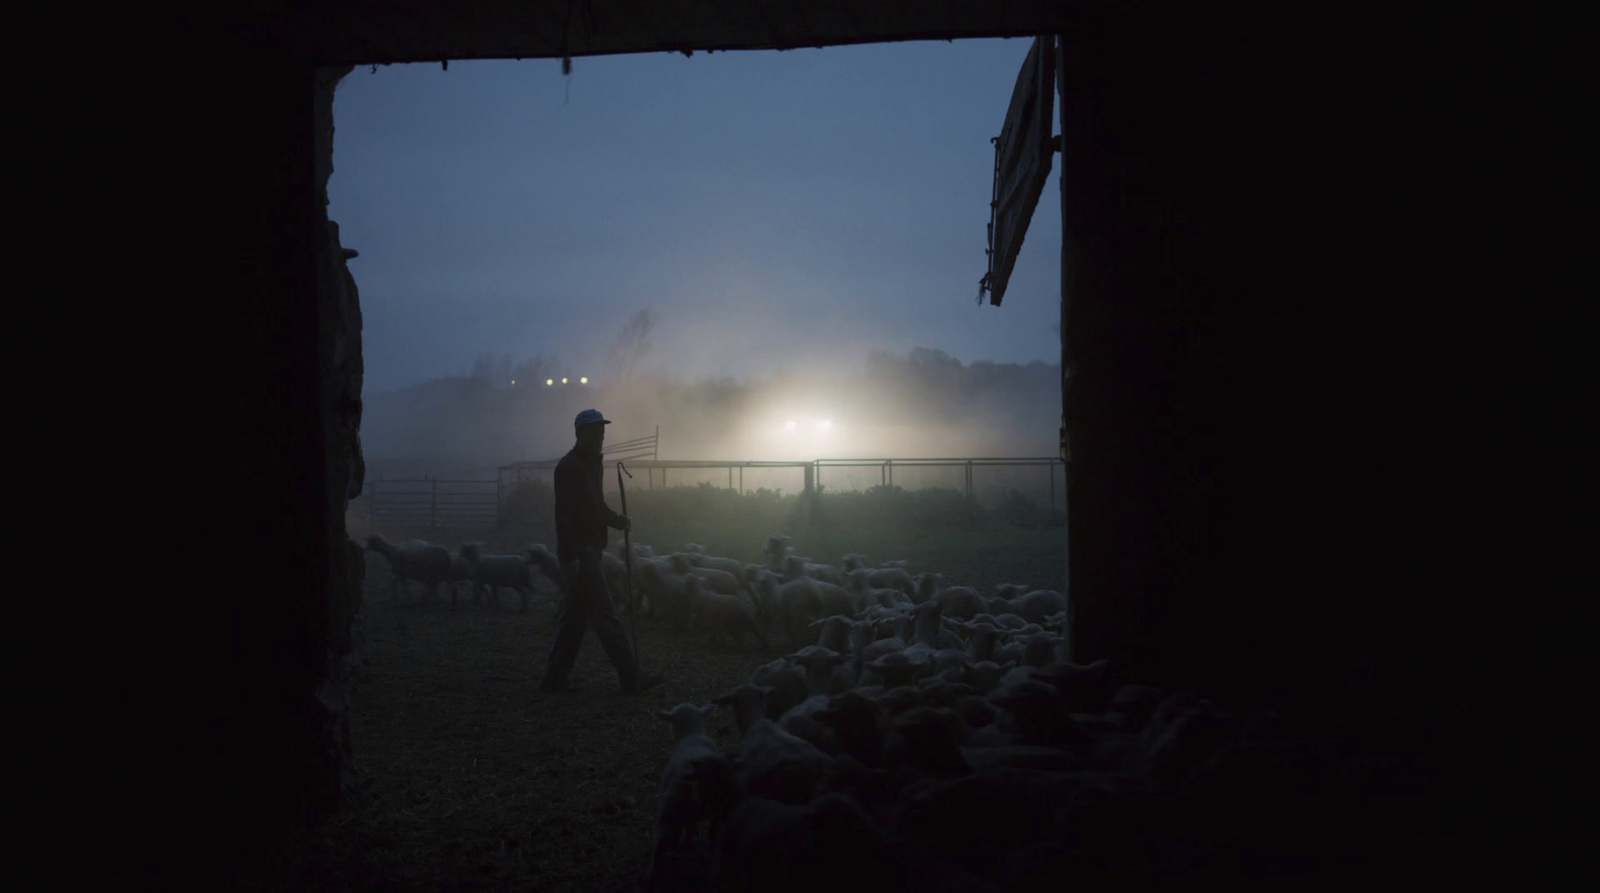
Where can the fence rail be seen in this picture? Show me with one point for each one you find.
(969, 469)
(429, 502)
(477, 504)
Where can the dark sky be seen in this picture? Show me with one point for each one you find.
(778, 210)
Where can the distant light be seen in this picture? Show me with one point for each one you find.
(826, 424)
(549, 381)
(583, 381)
(788, 426)
(563, 381)
(513, 381)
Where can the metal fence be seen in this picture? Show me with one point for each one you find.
(430, 503)
(983, 479)
(476, 504)
(1042, 479)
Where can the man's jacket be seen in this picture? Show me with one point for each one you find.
(582, 515)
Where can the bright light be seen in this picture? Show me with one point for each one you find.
(825, 424)
(788, 426)
(583, 381)
(549, 381)
(563, 381)
(513, 381)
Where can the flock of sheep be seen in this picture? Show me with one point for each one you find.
(433, 565)
(928, 737)
(920, 732)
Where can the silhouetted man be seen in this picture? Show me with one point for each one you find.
(582, 517)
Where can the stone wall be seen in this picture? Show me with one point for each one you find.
(340, 339)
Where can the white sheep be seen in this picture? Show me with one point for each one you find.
(930, 629)
(788, 686)
(1033, 607)
(716, 580)
(773, 763)
(795, 567)
(880, 647)
(615, 572)
(926, 584)
(899, 668)
(752, 574)
(859, 582)
(1013, 622)
(792, 605)
(491, 573)
(1011, 651)
(777, 551)
(724, 615)
(985, 675)
(698, 784)
(858, 723)
(818, 663)
(1009, 591)
(831, 600)
(861, 638)
(544, 561)
(461, 572)
(981, 641)
(1035, 714)
(960, 602)
(929, 739)
(800, 721)
(713, 562)
(668, 593)
(417, 560)
(1040, 650)
(884, 578)
(835, 635)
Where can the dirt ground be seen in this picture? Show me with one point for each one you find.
(473, 780)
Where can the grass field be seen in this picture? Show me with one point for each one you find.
(472, 780)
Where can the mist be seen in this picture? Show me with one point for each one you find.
(921, 404)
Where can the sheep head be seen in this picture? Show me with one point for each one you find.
(748, 702)
(687, 719)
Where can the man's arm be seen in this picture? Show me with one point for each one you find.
(564, 506)
(603, 511)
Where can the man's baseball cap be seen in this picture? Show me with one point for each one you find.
(590, 417)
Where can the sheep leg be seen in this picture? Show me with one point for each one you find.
(522, 608)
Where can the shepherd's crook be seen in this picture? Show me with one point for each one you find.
(627, 558)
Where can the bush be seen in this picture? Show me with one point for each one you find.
(529, 503)
(1017, 508)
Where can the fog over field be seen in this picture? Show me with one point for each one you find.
(921, 404)
(797, 237)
